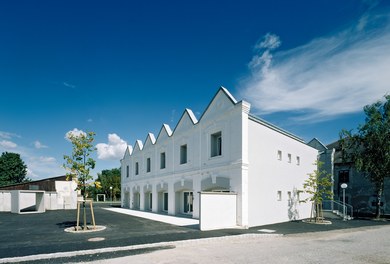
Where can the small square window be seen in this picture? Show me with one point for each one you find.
(289, 158)
(279, 195)
(289, 195)
(183, 154)
(298, 160)
(279, 155)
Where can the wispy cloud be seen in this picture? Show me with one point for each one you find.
(6, 144)
(42, 167)
(8, 135)
(325, 78)
(39, 145)
(115, 148)
(69, 85)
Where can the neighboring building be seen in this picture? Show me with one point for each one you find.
(226, 150)
(58, 193)
(360, 193)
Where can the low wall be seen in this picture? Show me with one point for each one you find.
(218, 210)
(5, 201)
(53, 201)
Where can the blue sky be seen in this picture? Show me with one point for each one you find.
(123, 68)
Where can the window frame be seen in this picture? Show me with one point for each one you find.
(216, 144)
(148, 165)
(183, 154)
(163, 164)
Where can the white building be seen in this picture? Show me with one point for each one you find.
(226, 150)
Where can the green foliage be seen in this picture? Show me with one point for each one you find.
(110, 178)
(12, 169)
(369, 148)
(318, 187)
(79, 163)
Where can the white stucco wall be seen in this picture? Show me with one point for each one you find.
(5, 201)
(218, 210)
(268, 175)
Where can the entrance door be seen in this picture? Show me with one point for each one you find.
(188, 202)
(165, 208)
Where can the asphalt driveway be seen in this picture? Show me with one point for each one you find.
(32, 234)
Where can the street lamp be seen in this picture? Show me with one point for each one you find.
(344, 186)
(111, 193)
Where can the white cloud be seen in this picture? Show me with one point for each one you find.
(326, 77)
(39, 167)
(75, 132)
(8, 144)
(39, 145)
(8, 135)
(115, 148)
(69, 85)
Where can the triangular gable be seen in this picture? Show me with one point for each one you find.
(138, 146)
(165, 131)
(128, 152)
(315, 143)
(187, 119)
(150, 140)
(221, 100)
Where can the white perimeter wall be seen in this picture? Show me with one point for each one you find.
(217, 210)
(5, 201)
(268, 175)
(64, 198)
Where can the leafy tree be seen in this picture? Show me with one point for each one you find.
(79, 163)
(110, 178)
(318, 186)
(369, 148)
(12, 169)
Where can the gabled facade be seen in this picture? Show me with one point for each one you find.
(226, 150)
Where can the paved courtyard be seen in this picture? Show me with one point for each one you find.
(41, 237)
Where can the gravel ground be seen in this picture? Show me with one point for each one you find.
(357, 245)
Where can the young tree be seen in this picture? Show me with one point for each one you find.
(12, 169)
(318, 186)
(80, 163)
(369, 148)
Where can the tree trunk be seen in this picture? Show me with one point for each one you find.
(84, 210)
(378, 201)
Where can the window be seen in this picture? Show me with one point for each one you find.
(150, 201)
(183, 154)
(279, 195)
(279, 155)
(165, 208)
(162, 160)
(136, 168)
(127, 171)
(216, 144)
(298, 160)
(289, 157)
(148, 165)
(344, 176)
(289, 195)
